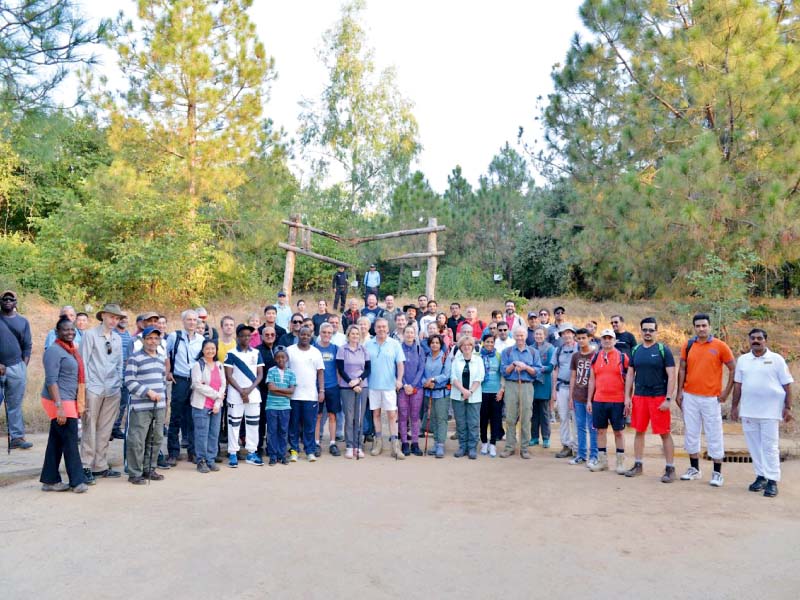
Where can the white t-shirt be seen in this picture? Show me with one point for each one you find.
(501, 345)
(252, 358)
(305, 364)
(762, 378)
(338, 339)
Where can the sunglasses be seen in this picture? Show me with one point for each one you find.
(269, 335)
(108, 347)
(615, 322)
(297, 322)
(559, 312)
(648, 330)
(501, 330)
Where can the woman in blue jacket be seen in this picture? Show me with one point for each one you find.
(540, 420)
(436, 377)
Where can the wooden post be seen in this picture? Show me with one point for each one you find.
(288, 271)
(433, 262)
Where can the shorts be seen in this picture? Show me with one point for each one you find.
(604, 413)
(645, 410)
(385, 399)
(333, 401)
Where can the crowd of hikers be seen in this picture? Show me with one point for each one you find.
(271, 387)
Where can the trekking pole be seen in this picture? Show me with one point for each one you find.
(5, 404)
(359, 423)
(428, 426)
(149, 442)
(519, 412)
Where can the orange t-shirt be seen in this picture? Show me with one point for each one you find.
(704, 367)
(609, 385)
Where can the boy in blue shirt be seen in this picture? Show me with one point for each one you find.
(281, 382)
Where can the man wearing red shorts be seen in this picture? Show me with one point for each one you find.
(649, 386)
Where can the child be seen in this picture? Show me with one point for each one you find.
(281, 382)
(244, 370)
(254, 321)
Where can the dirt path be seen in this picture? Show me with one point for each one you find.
(379, 529)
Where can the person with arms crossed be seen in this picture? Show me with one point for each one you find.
(244, 370)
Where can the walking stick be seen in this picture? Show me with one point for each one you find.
(428, 426)
(149, 443)
(5, 404)
(519, 413)
(359, 422)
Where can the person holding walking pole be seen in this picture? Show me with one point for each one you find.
(353, 369)
(436, 379)
(520, 366)
(145, 378)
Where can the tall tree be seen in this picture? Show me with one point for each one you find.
(361, 132)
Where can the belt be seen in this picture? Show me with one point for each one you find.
(181, 376)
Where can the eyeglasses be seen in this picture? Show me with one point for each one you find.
(269, 335)
(648, 330)
(615, 322)
(108, 347)
(559, 312)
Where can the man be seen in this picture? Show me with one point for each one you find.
(455, 318)
(762, 398)
(210, 332)
(553, 330)
(594, 341)
(391, 312)
(244, 371)
(372, 311)
(503, 340)
(386, 377)
(476, 324)
(533, 323)
(127, 347)
(69, 312)
(700, 395)
(183, 347)
(333, 404)
(606, 400)
(339, 286)
(429, 316)
(422, 306)
(271, 319)
(494, 321)
(372, 282)
(101, 352)
(544, 317)
(81, 322)
(511, 318)
(146, 383)
(292, 337)
(284, 311)
(338, 338)
(625, 339)
(580, 368)
(15, 354)
(352, 315)
(649, 388)
(309, 392)
(560, 396)
(520, 365)
(227, 338)
(266, 350)
(321, 317)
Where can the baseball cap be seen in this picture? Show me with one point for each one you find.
(533, 314)
(567, 327)
(148, 330)
(10, 293)
(242, 326)
(608, 333)
(281, 294)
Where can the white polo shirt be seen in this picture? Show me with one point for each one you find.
(762, 378)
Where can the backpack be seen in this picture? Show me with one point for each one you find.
(623, 367)
(174, 353)
(660, 351)
(689, 345)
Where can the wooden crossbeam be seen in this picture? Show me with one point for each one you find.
(311, 254)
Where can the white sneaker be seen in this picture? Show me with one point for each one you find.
(691, 473)
(592, 462)
(578, 460)
(348, 453)
(716, 479)
(293, 456)
(360, 453)
(492, 451)
(312, 458)
(485, 448)
(620, 464)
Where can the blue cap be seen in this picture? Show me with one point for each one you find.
(148, 330)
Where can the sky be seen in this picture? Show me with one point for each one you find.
(472, 68)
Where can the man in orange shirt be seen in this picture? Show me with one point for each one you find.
(700, 395)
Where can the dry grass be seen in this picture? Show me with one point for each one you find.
(674, 327)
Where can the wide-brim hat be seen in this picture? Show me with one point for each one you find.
(112, 309)
(149, 315)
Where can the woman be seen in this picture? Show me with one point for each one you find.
(368, 426)
(409, 397)
(301, 308)
(492, 390)
(436, 399)
(352, 369)
(64, 400)
(542, 390)
(466, 377)
(444, 331)
(208, 392)
(363, 329)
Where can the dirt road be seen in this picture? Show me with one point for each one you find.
(423, 527)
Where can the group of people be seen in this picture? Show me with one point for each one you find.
(274, 384)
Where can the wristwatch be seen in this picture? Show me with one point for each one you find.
(668, 398)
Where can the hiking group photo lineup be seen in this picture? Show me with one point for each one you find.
(269, 388)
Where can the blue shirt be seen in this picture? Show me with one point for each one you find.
(415, 364)
(372, 278)
(329, 360)
(529, 356)
(384, 359)
(543, 386)
(491, 367)
(438, 369)
(284, 380)
(284, 316)
(186, 352)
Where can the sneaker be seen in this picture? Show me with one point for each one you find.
(565, 452)
(55, 487)
(405, 448)
(507, 451)
(273, 461)
(212, 466)
(334, 450)
(534, 442)
(716, 479)
(492, 451)
(172, 461)
(601, 464)
(318, 452)
(20, 444)
(137, 480)
(339, 438)
(202, 467)
(377, 446)
(758, 485)
(87, 475)
(254, 459)
(80, 488)
(635, 470)
(620, 463)
(293, 456)
(771, 490)
(460, 452)
(348, 453)
(233, 460)
(692, 473)
(578, 460)
(472, 454)
(360, 453)
(107, 473)
(669, 475)
(117, 434)
(485, 448)
(161, 463)
(592, 462)
(415, 449)
(284, 461)
(439, 450)
(545, 443)
(523, 453)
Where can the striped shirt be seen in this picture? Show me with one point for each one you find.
(142, 374)
(284, 380)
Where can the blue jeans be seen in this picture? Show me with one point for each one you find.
(206, 433)
(583, 423)
(180, 416)
(303, 420)
(277, 433)
(14, 381)
(367, 422)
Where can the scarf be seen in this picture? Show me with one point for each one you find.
(72, 349)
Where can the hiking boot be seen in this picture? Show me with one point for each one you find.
(212, 466)
(601, 464)
(533, 442)
(87, 475)
(377, 446)
(137, 480)
(669, 475)
(396, 451)
(472, 454)
(202, 467)
(523, 453)
(55, 487)
(110, 473)
(620, 463)
(565, 452)
(415, 449)
(507, 451)
(460, 452)
(691, 474)
(172, 461)
(405, 448)
(439, 450)
(334, 450)
(635, 470)
(771, 489)
(153, 476)
(759, 485)
(492, 451)
(20, 444)
(717, 480)
(80, 488)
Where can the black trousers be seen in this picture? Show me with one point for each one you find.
(340, 299)
(540, 419)
(491, 414)
(62, 441)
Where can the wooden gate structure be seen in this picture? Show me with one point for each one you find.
(299, 242)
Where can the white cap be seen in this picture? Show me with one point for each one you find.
(608, 333)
